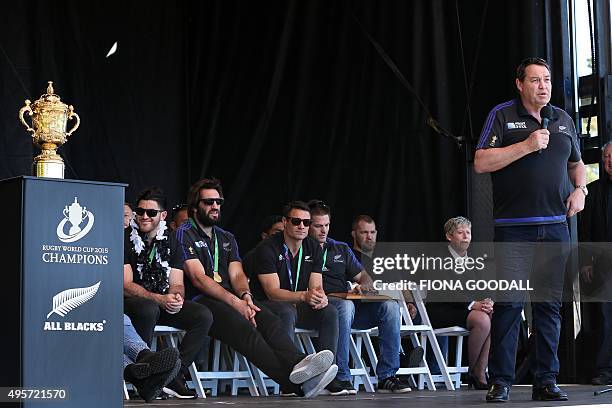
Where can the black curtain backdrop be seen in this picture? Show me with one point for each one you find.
(279, 99)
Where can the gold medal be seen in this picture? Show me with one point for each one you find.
(217, 277)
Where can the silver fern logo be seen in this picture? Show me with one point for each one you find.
(70, 299)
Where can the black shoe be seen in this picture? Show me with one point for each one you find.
(334, 388)
(348, 387)
(392, 385)
(151, 387)
(602, 379)
(178, 388)
(152, 371)
(474, 382)
(498, 393)
(548, 392)
(160, 361)
(136, 371)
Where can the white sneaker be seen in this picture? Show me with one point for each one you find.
(311, 366)
(313, 386)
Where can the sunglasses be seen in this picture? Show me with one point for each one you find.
(297, 221)
(211, 201)
(150, 212)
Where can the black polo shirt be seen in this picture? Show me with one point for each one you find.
(248, 264)
(340, 266)
(361, 257)
(533, 189)
(192, 243)
(272, 256)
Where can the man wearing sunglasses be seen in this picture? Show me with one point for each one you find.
(288, 266)
(154, 292)
(339, 267)
(209, 256)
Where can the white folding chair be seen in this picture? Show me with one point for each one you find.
(408, 328)
(173, 336)
(360, 373)
(457, 369)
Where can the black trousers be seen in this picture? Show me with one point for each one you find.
(286, 314)
(324, 320)
(194, 318)
(267, 346)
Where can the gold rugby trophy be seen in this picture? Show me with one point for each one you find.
(49, 118)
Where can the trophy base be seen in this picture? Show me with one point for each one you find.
(48, 168)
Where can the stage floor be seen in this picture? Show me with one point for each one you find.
(520, 396)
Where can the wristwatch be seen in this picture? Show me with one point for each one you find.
(584, 190)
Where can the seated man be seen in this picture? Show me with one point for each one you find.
(209, 256)
(288, 266)
(147, 371)
(154, 291)
(339, 267)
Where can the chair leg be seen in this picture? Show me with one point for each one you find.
(361, 373)
(431, 385)
(259, 380)
(458, 358)
(440, 359)
(193, 372)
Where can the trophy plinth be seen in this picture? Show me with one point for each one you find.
(49, 118)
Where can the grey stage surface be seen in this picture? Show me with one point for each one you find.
(520, 396)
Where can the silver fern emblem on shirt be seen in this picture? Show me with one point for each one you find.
(70, 299)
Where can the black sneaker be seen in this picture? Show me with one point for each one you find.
(136, 371)
(150, 387)
(160, 361)
(334, 388)
(602, 379)
(152, 371)
(415, 356)
(178, 388)
(348, 387)
(393, 385)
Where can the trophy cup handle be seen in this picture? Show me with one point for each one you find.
(22, 111)
(72, 114)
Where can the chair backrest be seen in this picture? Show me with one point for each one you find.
(417, 298)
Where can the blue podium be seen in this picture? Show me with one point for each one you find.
(63, 293)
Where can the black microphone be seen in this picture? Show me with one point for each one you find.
(546, 114)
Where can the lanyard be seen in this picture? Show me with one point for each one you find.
(324, 259)
(215, 260)
(289, 272)
(152, 253)
(216, 276)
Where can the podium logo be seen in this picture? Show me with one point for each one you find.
(80, 220)
(68, 300)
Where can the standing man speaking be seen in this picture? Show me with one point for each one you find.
(531, 149)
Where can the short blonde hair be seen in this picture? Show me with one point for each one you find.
(452, 224)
